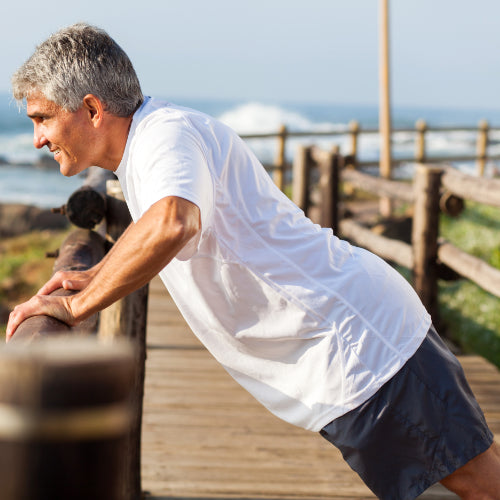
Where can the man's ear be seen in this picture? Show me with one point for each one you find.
(94, 108)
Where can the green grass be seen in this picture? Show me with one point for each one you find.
(24, 267)
(471, 315)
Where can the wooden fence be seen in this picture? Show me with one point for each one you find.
(354, 132)
(434, 189)
(100, 212)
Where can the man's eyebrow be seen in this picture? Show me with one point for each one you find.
(36, 114)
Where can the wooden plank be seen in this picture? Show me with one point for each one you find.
(389, 249)
(472, 188)
(205, 437)
(471, 267)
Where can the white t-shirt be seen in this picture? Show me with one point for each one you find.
(310, 325)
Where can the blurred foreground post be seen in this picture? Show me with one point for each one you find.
(64, 418)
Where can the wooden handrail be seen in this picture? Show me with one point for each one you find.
(354, 131)
(470, 267)
(472, 188)
(80, 250)
(390, 249)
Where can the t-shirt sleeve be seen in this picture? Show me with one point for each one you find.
(173, 163)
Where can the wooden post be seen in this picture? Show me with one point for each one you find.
(280, 163)
(385, 103)
(329, 187)
(64, 415)
(425, 236)
(354, 130)
(128, 318)
(300, 181)
(86, 207)
(421, 127)
(482, 146)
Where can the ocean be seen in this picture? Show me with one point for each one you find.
(22, 181)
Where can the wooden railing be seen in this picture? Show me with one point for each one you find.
(101, 215)
(434, 189)
(354, 131)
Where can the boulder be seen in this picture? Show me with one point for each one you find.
(16, 219)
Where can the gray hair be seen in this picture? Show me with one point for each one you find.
(76, 61)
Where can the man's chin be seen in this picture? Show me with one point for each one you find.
(71, 170)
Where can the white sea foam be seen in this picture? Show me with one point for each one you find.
(18, 148)
(37, 187)
(256, 118)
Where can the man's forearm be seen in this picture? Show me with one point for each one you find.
(143, 250)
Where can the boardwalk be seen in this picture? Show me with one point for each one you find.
(204, 437)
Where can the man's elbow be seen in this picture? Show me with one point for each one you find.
(182, 218)
(185, 229)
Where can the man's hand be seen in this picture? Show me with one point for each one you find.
(69, 280)
(58, 307)
(45, 304)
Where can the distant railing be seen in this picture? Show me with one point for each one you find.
(355, 131)
(434, 189)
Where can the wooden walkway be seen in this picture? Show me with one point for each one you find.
(204, 437)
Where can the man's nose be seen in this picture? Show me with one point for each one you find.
(39, 139)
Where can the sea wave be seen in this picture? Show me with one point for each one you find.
(34, 186)
(256, 117)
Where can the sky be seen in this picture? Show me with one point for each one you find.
(444, 53)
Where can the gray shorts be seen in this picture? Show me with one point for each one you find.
(417, 429)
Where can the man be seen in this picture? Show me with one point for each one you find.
(325, 335)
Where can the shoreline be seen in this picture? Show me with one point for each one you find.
(44, 162)
(17, 219)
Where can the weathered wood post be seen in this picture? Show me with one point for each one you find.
(280, 162)
(385, 120)
(354, 130)
(330, 166)
(86, 207)
(301, 178)
(421, 127)
(64, 416)
(425, 236)
(127, 318)
(482, 147)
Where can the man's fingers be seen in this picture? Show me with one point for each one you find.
(74, 284)
(53, 284)
(16, 317)
(57, 307)
(69, 280)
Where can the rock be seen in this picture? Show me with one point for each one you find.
(47, 162)
(16, 219)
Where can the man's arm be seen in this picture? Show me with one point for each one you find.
(140, 254)
(77, 280)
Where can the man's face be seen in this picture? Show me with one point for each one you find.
(65, 134)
